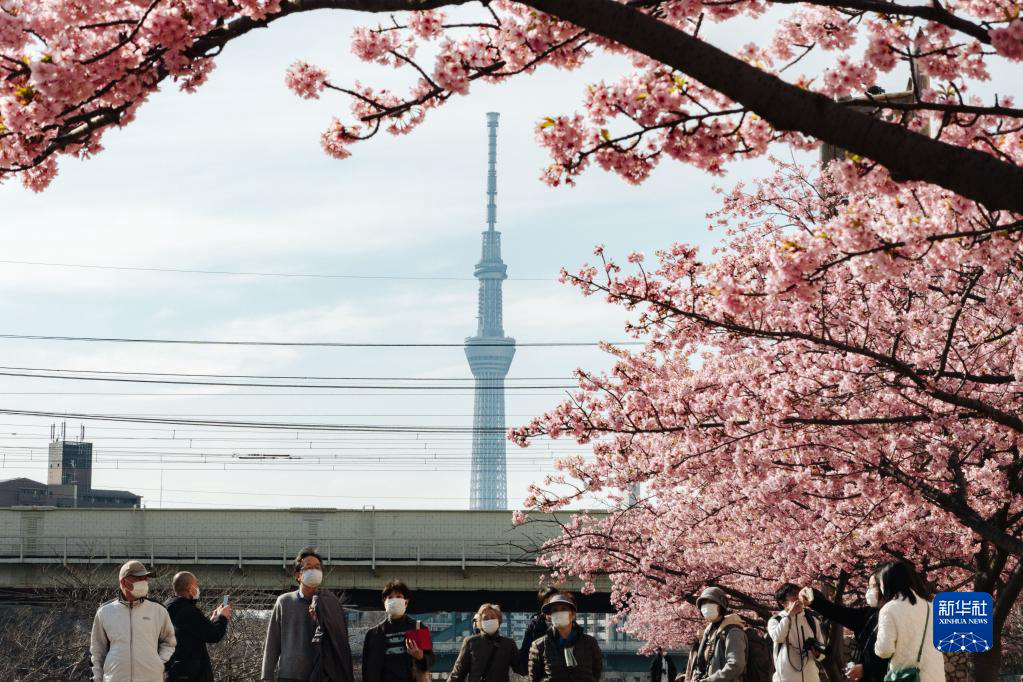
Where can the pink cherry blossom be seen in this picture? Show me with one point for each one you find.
(306, 81)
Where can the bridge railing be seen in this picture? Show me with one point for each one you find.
(260, 549)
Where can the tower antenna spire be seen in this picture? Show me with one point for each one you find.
(492, 172)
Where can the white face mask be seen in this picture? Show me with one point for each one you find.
(873, 597)
(395, 607)
(312, 577)
(140, 589)
(560, 619)
(196, 595)
(710, 611)
(490, 626)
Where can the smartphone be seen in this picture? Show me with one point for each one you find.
(227, 599)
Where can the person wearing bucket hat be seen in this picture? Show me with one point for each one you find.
(132, 637)
(720, 655)
(565, 653)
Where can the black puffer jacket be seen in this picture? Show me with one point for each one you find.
(548, 660)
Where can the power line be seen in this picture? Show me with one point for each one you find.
(240, 414)
(240, 273)
(251, 384)
(369, 467)
(302, 495)
(358, 428)
(233, 394)
(269, 376)
(307, 344)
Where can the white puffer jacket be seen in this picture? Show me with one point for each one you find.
(131, 642)
(900, 628)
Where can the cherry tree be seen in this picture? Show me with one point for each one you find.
(848, 355)
(838, 385)
(72, 70)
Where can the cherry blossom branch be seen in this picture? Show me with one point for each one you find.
(126, 39)
(906, 154)
(931, 12)
(238, 27)
(899, 367)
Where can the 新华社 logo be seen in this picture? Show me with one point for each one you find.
(963, 622)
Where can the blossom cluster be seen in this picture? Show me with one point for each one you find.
(70, 71)
(810, 398)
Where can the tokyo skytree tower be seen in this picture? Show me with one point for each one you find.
(490, 353)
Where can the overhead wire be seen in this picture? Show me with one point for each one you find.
(288, 426)
(233, 394)
(269, 376)
(241, 273)
(189, 382)
(315, 344)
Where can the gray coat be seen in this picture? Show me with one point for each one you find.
(489, 656)
(723, 656)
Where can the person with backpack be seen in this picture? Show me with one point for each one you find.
(905, 628)
(794, 632)
(721, 655)
(487, 656)
(866, 666)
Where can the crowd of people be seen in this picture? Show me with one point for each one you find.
(892, 631)
(135, 639)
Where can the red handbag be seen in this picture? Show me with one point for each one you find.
(421, 636)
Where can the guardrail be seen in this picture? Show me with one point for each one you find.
(260, 550)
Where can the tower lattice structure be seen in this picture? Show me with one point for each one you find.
(490, 354)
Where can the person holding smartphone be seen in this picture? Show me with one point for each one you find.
(193, 630)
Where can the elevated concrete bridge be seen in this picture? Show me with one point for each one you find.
(453, 560)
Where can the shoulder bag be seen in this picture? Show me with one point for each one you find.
(910, 673)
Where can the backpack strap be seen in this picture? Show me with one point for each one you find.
(723, 632)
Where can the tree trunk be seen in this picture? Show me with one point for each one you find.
(987, 665)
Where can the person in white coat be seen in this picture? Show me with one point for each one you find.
(797, 646)
(905, 623)
(132, 637)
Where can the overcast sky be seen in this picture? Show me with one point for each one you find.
(232, 178)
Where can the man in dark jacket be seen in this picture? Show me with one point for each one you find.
(565, 653)
(388, 655)
(193, 630)
(537, 627)
(662, 669)
(862, 621)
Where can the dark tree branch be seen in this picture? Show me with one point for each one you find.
(906, 154)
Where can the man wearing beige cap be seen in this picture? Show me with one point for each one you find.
(132, 637)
